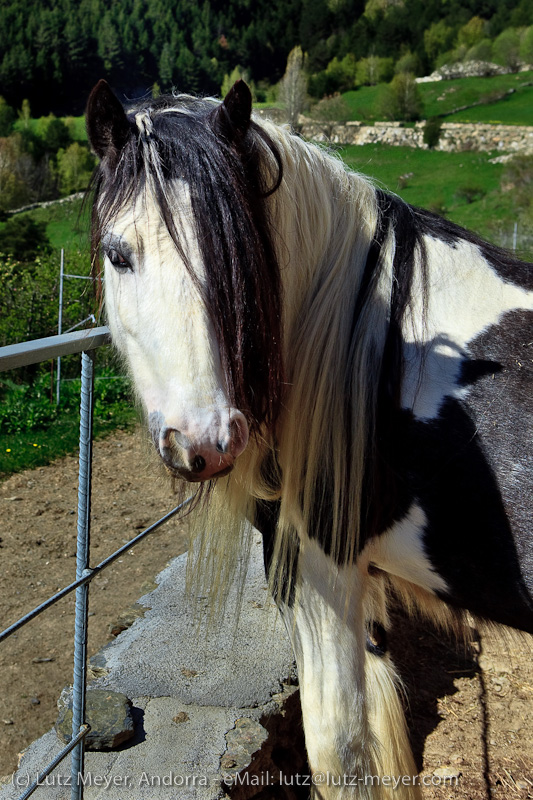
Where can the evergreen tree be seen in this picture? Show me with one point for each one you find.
(7, 118)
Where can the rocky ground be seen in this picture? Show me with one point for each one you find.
(470, 712)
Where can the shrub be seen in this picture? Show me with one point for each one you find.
(24, 238)
(402, 100)
(32, 406)
(469, 193)
(329, 111)
(518, 177)
(432, 131)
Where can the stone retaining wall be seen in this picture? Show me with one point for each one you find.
(455, 136)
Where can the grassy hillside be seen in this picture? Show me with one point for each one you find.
(443, 97)
(67, 226)
(465, 187)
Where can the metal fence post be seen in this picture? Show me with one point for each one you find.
(60, 325)
(82, 569)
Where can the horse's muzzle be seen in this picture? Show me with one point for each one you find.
(202, 458)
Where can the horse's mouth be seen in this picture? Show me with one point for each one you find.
(194, 477)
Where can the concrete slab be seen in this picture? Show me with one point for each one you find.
(188, 684)
(167, 653)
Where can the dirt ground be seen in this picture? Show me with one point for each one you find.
(38, 549)
(470, 712)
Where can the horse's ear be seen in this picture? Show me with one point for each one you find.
(107, 123)
(232, 117)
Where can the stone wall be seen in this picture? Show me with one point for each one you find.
(455, 136)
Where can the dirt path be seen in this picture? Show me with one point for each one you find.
(470, 715)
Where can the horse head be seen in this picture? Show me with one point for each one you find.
(190, 276)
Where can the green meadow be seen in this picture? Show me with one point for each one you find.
(442, 98)
(465, 187)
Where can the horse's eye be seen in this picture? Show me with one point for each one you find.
(118, 261)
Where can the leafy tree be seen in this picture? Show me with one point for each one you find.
(482, 51)
(506, 49)
(343, 72)
(409, 62)
(187, 71)
(438, 39)
(109, 48)
(57, 135)
(373, 70)
(14, 192)
(167, 63)
(526, 45)
(293, 86)
(25, 114)
(472, 33)
(517, 177)
(328, 112)
(373, 8)
(402, 99)
(75, 166)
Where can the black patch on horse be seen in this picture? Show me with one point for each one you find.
(266, 521)
(469, 471)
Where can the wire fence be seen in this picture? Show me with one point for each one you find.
(22, 354)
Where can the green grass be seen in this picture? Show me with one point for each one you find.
(20, 451)
(464, 187)
(515, 109)
(466, 91)
(67, 226)
(364, 103)
(35, 431)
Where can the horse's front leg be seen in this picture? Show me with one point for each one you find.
(355, 730)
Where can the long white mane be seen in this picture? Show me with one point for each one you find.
(323, 220)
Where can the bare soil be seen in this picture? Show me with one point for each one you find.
(470, 710)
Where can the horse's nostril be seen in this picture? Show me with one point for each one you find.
(222, 447)
(198, 464)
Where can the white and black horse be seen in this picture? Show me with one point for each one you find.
(349, 372)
